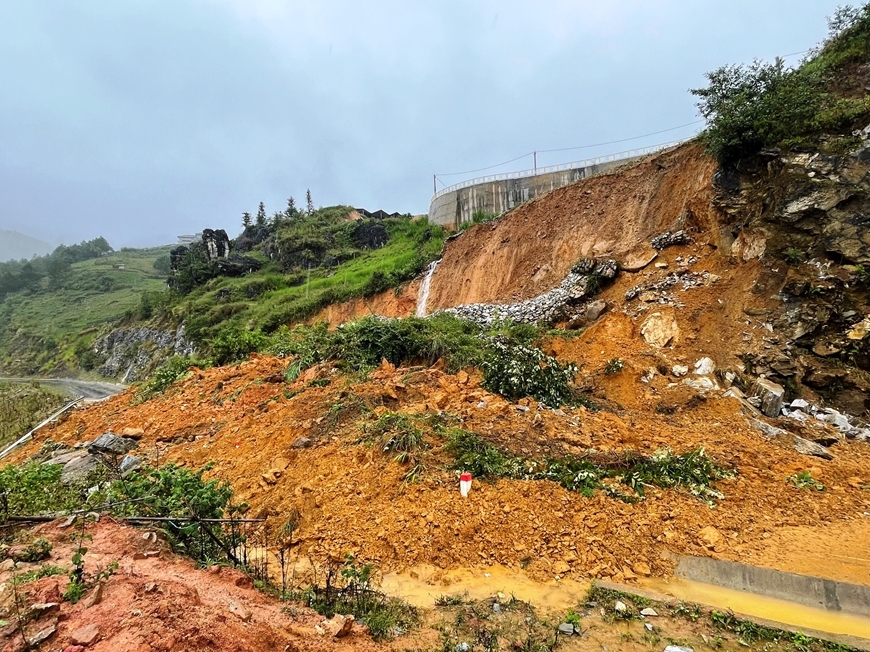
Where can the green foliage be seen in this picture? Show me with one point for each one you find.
(51, 327)
(172, 491)
(793, 255)
(517, 371)
(613, 366)
(693, 471)
(36, 550)
(235, 344)
(80, 580)
(171, 371)
(320, 263)
(805, 480)
(348, 590)
(768, 104)
(34, 574)
(32, 489)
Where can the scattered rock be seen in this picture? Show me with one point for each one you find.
(710, 536)
(641, 568)
(133, 433)
(42, 608)
(620, 606)
(771, 396)
(496, 608)
(703, 384)
(86, 635)
(74, 648)
(807, 447)
(669, 239)
(111, 444)
(239, 611)
(659, 329)
(705, 367)
(678, 648)
(338, 626)
(566, 628)
(129, 463)
(79, 469)
(679, 370)
(42, 635)
(649, 611)
(301, 442)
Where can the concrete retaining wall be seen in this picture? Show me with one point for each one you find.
(455, 207)
(803, 589)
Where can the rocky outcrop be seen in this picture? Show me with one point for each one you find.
(131, 353)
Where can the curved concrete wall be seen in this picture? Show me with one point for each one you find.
(456, 206)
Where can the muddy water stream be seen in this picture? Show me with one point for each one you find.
(423, 585)
(750, 604)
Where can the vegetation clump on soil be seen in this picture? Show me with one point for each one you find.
(693, 471)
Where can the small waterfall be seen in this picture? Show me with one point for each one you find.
(423, 295)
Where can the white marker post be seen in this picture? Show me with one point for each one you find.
(464, 484)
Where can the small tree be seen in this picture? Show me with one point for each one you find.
(261, 215)
(291, 211)
(309, 205)
(246, 220)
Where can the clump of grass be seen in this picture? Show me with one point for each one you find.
(693, 471)
(167, 374)
(613, 366)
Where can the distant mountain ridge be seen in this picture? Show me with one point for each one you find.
(15, 246)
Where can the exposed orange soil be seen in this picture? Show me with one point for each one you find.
(165, 603)
(351, 497)
(531, 250)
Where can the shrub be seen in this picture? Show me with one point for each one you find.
(235, 344)
(171, 371)
(767, 104)
(517, 371)
(33, 489)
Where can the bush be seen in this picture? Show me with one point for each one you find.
(171, 371)
(762, 105)
(33, 489)
(235, 344)
(517, 371)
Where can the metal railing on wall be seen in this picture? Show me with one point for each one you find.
(607, 158)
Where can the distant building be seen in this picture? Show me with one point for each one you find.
(189, 239)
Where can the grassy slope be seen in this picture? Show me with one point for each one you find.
(39, 330)
(268, 299)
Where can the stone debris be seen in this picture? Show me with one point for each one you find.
(42, 635)
(770, 396)
(566, 628)
(620, 606)
(338, 626)
(111, 444)
(679, 370)
(669, 239)
(648, 612)
(705, 367)
(86, 635)
(239, 611)
(551, 305)
(659, 329)
(659, 292)
(678, 648)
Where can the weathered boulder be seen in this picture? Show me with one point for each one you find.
(111, 444)
(659, 329)
(771, 396)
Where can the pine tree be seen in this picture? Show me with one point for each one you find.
(246, 220)
(291, 211)
(309, 205)
(261, 215)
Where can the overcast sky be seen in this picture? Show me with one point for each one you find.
(143, 119)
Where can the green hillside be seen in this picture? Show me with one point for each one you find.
(48, 326)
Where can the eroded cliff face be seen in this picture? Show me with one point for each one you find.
(131, 354)
(531, 249)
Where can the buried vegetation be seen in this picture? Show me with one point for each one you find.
(624, 476)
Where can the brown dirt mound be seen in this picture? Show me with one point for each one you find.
(164, 603)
